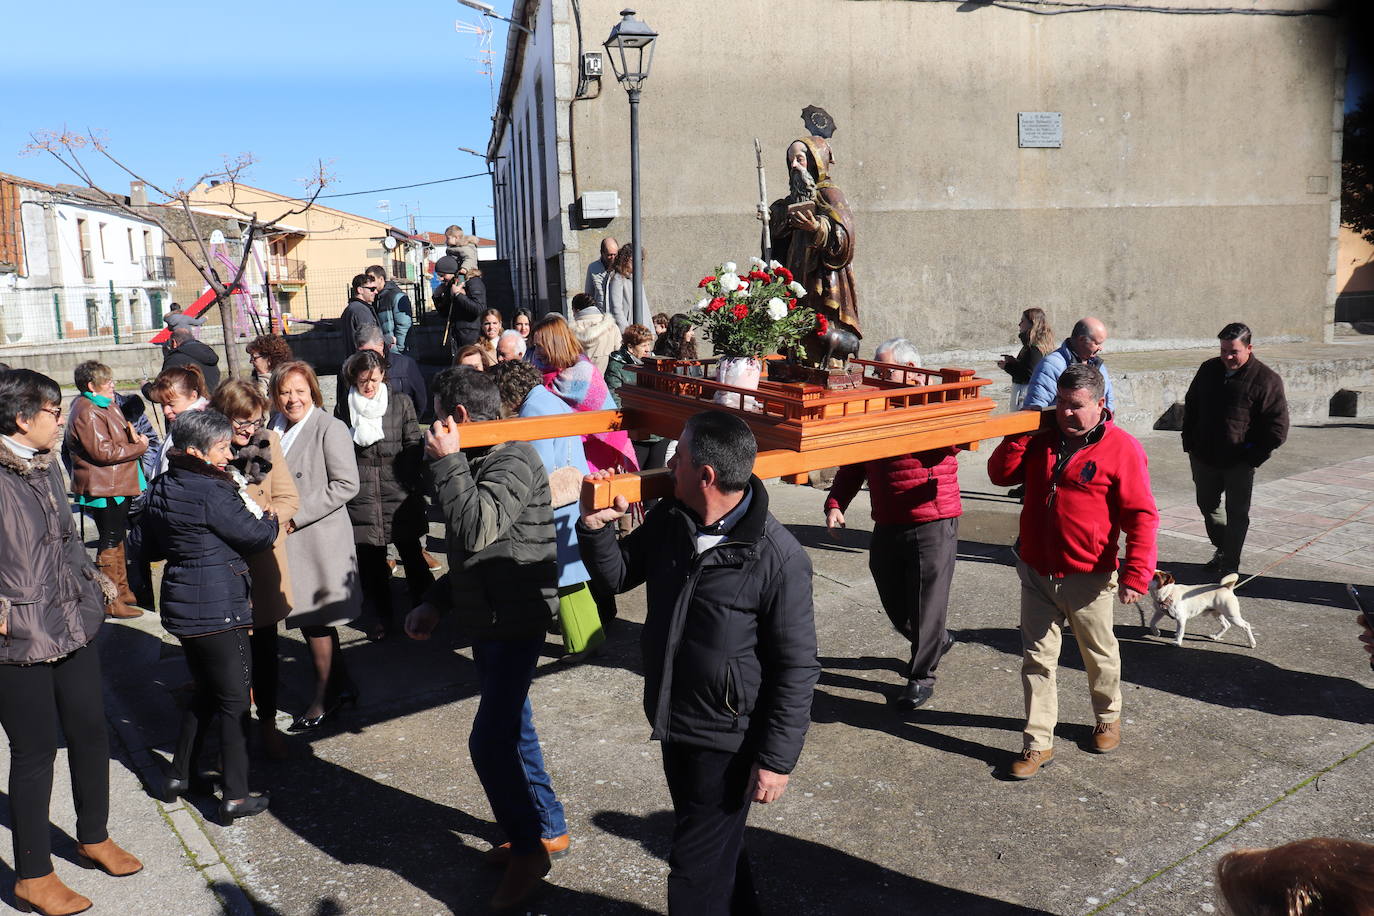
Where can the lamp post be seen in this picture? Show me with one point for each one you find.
(631, 50)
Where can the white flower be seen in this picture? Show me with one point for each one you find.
(702, 303)
(777, 309)
(797, 289)
(757, 263)
(774, 265)
(729, 281)
(728, 267)
(743, 285)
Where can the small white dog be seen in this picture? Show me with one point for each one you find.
(1184, 602)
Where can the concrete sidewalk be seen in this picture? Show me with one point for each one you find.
(1223, 746)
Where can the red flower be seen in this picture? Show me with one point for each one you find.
(822, 326)
(740, 311)
(716, 304)
(704, 281)
(786, 274)
(758, 275)
(791, 304)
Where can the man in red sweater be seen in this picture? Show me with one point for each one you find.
(916, 508)
(1086, 482)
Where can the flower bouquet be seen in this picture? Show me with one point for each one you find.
(748, 315)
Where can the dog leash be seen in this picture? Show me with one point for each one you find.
(1292, 553)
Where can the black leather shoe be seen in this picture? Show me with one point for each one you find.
(253, 804)
(949, 644)
(912, 696)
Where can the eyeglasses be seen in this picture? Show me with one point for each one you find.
(55, 411)
(248, 425)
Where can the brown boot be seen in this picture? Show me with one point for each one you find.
(274, 744)
(111, 563)
(1030, 762)
(557, 848)
(1106, 737)
(521, 880)
(126, 594)
(107, 856)
(49, 896)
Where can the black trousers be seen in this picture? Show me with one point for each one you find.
(651, 455)
(913, 566)
(34, 700)
(221, 668)
(266, 670)
(708, 868)
(111, 523)
(375, 575)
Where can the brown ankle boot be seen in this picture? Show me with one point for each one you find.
(108, 856)
(49, 896)
(521, 880)
(111, 563)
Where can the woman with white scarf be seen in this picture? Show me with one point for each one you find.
(390, 506)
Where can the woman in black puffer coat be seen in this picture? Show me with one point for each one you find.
(195, 517)
(390, 505)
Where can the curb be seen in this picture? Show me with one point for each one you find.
(185, 822)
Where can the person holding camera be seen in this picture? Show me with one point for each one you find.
(461, 301)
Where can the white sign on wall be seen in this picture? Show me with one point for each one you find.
(1039, 129)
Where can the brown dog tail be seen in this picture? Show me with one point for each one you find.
(1229, 580)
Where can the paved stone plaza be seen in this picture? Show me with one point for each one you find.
(888, 812)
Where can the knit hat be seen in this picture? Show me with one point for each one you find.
(448, 264)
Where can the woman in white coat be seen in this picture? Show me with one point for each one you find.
(320, 556)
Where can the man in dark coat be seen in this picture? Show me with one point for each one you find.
(358, 312)
(1234, 415)
(460, 300)
(394, 311)
(729, 647)
(187, 351)
(403, 373)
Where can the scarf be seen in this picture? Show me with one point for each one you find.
(582, 387)
(99, 400)
(288, 436)
(367, 416)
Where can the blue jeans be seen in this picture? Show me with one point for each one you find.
(505, 748)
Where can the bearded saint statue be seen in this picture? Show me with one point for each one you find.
(818, 247)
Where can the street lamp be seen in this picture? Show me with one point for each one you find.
(631, 50)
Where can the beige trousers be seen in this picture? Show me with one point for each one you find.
(1086, 601)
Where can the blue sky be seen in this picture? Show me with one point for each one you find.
(385, 94)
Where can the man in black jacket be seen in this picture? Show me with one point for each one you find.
(460, 300)
(360, 311)
(729, 651)
(1234, 416)
(187, 351)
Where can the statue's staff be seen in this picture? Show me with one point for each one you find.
(763, 204)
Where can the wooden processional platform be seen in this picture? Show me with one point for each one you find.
(800, 427)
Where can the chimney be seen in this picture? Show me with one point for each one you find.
(138, 194)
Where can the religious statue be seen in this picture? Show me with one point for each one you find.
(813, 236)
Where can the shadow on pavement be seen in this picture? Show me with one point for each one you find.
(800, 877)
(1232, 680)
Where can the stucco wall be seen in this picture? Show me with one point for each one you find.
(1194, 186)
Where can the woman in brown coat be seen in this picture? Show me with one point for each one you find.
(260, 468)
(106, 475)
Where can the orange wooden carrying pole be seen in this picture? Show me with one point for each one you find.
(601, 493)
(525, 429)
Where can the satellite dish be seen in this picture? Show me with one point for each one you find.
(389, 243)
(217, 237)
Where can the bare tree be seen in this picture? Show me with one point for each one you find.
(67, 147)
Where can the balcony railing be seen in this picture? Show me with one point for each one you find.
(285, 270)
(158, 268)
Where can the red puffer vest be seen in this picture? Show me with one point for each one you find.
(920, 487)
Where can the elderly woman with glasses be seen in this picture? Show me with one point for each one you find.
(265, 482)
